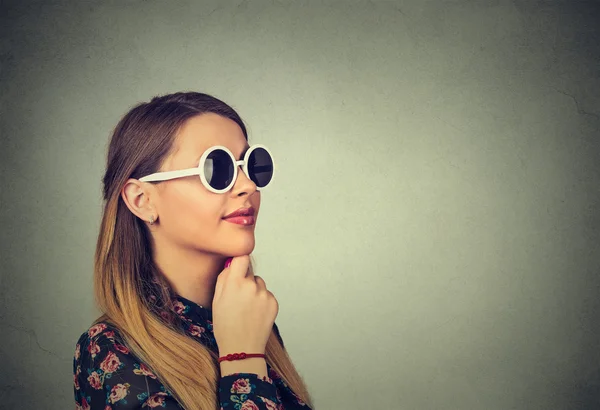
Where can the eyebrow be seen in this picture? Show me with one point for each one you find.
(246, 148)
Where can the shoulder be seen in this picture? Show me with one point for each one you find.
(97, 331)
(98, 336)
(105, 369)
(100, 349)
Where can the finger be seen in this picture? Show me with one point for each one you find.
(260, 283)
(221, 279)
(239, 266)
(219, 285)
(250, 273)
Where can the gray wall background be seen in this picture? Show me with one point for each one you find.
(432, 234)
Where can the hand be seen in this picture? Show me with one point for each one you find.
(243, 309)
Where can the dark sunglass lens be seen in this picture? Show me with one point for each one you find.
(218, 169)
(260, 167)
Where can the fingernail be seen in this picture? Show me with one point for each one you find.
(228, 262)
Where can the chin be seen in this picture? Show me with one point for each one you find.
(240, 247)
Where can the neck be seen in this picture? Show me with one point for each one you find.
(191, 273)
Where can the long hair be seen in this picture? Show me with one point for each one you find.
(130, 291)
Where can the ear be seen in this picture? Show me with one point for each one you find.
(137, 197)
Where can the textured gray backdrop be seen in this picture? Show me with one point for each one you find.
(432, 236)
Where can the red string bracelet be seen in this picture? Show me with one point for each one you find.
(240, 356)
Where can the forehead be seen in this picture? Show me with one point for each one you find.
(210, 129)
(204, 131)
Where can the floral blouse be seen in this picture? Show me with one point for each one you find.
(108, 376)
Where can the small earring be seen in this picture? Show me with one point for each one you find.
(151, 219)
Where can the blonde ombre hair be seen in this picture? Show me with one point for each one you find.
(130, 291)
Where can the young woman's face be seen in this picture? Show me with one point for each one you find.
(191, 216)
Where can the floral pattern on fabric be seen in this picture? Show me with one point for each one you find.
(106, 375)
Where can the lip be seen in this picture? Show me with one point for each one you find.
(241, 212)
(241, 220)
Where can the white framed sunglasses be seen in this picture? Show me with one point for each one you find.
(218, 169)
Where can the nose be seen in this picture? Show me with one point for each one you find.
(243, 183)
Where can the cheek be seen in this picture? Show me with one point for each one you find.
(194, 210)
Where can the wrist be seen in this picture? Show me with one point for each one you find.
(256, 365)
(239, 356)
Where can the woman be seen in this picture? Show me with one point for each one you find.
(176, 316)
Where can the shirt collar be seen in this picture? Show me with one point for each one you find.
(191, 311)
